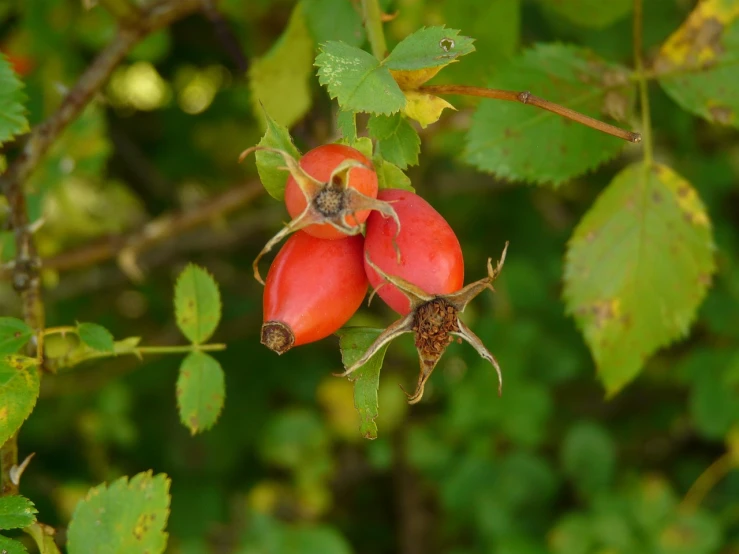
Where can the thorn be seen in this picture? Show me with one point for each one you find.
(17, 471)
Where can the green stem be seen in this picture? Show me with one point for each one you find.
(642, 78)
(60, 330)
(373, 24)
(179, 349)
(707, 481)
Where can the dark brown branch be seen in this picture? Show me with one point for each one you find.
(26, 267)
(528, 98)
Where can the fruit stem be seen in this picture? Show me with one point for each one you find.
(643, 86)
(526, 97)
(372, 15)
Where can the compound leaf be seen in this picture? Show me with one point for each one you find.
(197, 304)
(358, 80)
(520, 142)
(201, 391)
(637, 268)
(123, 517)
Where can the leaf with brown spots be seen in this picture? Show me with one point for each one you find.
(201, 391)
(636, 269)
(699, 62)
(14, 333)
(125, 517)
(197, 303)
(19, 389)
(523, 143)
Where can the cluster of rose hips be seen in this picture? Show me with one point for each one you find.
(408, 253)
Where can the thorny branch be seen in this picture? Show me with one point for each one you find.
(25, 276)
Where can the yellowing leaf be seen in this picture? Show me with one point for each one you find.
(638, 266)
(280, 80)
(412, 79)
(698, 62)
(424, 108)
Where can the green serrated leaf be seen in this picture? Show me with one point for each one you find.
(429, 47)
(521, 142)
(344, 24)
(354, 342)
(14, 333)
(197, 303)
(357, 80)
(11, 546)
(588, 457)
(123, 517)
(591, 13)
(201, 391)
(390, 176)
(347, 124)
(16, 512)
(397, 140)
(364, 145)
(19, 389)
(280, 80)
(270, 165)
(638, 266)
(12, 111)
(96, 337)
(699, 62)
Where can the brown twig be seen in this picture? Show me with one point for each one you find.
(528, 98)
(128, 246)
(25, 274)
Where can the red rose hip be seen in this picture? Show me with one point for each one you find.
(313, 287)
(430, 254)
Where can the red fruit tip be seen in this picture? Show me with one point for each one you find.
(277, 336)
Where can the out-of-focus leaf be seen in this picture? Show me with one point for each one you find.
(696, 533)
(353, 343)
(588, 457)
(19, 389)
(14, 333)
(344, 23)
(122, 517)
(390, 176)
(16, 512)
(197, 303)
(638, 267)
(279, 81)
(201, 391)
(13, 119)
(294, 438)
(699, 62)
(591, 13)
(266, 535)
(397, 140)
(714, 406)
(521, 142)
(96, 337)
(429, 47)
(270, 164)
(572, 535)
(358, 80)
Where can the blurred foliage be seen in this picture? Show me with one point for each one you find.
(551, 466)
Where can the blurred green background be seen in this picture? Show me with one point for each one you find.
(551, 466)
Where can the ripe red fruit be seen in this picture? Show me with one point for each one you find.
(329, 194)
(313, 287)
(320, 163)
(430, 254)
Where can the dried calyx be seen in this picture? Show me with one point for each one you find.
(435, 322)
(332, 202)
